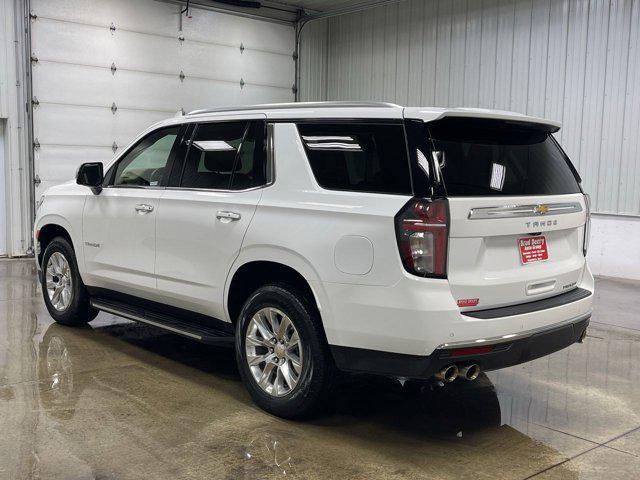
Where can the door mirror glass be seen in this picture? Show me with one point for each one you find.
(90, 175)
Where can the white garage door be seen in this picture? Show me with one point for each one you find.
(105, 70)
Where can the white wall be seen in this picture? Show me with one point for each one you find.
(614, 250)
(15, 189)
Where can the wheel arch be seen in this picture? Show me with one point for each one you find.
(49, 229)
(260, 266)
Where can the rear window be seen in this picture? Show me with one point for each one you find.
(492, 157)
(358, 157)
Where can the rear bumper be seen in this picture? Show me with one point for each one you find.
(416, 316)
(508, 350)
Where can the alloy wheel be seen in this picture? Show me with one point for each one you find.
(273, 351)
(59, 283)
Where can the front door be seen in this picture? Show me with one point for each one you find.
(206, 210)
(119, 224)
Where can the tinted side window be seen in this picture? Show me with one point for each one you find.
(249, 170)
(212, 155)
(181, 149)
(358, 157)
(108, 176)
(225, 155)
(144, 165)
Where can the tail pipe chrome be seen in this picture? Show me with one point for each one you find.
(583, 335)
(469, 372)
(448, 374)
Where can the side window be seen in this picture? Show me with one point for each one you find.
(145, 164)
(181, 149)
(225, 155)
(358, 157)
(249, 170)
(108, 176)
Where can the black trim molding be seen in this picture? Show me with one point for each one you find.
(551, 302)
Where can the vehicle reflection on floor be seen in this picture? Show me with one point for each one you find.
(124, 400)
(418, 411)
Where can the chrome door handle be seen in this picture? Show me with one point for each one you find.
(228, 216)
(144, 208)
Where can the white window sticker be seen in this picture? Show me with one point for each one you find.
(498, 174)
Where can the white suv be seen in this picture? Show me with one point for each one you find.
(415, 243)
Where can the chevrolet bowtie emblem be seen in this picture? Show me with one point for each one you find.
(541, 209)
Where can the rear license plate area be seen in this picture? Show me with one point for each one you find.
(533, 249)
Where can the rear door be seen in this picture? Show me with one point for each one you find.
(205, 210)
(517, 213)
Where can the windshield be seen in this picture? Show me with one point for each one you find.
(494, 157)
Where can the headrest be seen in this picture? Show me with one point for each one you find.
(221, 161)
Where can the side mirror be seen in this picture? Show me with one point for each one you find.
(90, 175)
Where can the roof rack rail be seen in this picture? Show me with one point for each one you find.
(277, 106)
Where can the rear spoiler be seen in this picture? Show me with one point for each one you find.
(431, 114)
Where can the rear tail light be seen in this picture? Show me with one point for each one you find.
(422, 230)
(587, 225)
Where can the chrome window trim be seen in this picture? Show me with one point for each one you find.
(221, 190)
(137, 187)
(271, 156)
(516, 211)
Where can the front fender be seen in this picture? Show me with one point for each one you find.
(65, 210)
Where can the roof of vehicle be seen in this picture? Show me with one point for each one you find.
(312, 110)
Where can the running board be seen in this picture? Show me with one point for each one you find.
(201, 333)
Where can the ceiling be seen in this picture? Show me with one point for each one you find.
(329, 5)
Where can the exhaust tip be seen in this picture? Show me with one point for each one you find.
(583, 336)
(470, 372)
(448, 374)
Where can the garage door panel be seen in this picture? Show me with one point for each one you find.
(59, 164)
(212, 27)
(202, 93)
(152, 17)
(88, 45)
(225, 63)
(73, 85)
(148, 53)
(72, 43)
(77, 125)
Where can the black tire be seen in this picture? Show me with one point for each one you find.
(318, 370)
(79, 310)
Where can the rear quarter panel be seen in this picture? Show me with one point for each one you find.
(329, 237)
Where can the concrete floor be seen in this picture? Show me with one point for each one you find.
(120, 400)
